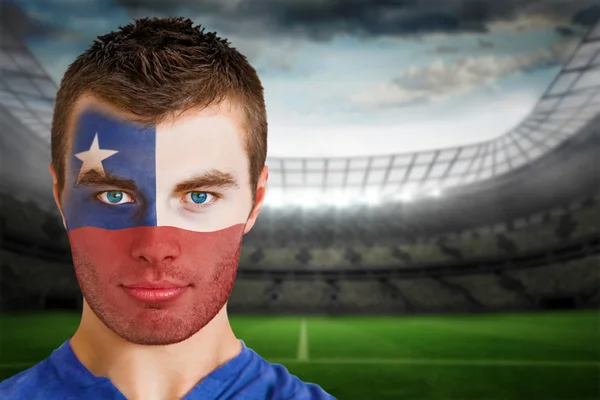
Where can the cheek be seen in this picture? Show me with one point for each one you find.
(99, 256)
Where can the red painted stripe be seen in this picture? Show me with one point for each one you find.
(109, 263)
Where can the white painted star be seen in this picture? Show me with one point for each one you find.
(92, 159)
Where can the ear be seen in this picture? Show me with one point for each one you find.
(261, 187)
(56, 194)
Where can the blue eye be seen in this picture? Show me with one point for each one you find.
(199, 197)
(114, 196)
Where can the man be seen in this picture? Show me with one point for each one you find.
(159, 141)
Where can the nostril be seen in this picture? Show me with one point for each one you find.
(155, 246)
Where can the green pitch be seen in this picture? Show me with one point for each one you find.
(503, 356)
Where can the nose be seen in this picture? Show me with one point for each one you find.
(155, 246)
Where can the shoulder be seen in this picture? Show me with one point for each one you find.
(290, 387)
(30, 383)
(274, 381)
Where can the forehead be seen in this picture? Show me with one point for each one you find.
(212, 138)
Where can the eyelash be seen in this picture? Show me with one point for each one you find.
(216, 197)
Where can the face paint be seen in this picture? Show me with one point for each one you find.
(148, 208)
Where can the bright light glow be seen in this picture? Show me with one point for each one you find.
(437, 192)
(294, 198)
(315, 198)
(309, 198)
(405, 197)
(407, 194)
(341, 198)
(274, 198)
(371, 198)
(389, 190)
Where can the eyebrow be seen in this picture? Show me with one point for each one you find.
(211, 179)
(97, 180)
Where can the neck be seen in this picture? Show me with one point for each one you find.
(153, 372)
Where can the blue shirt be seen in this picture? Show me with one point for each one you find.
(245, 377)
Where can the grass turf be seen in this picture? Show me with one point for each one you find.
(553, 355)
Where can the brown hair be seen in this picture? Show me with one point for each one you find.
(159, 68)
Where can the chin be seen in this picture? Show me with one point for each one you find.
(155, 325)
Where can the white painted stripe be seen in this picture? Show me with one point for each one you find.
(191, 146)
(303, 342)
(444, 362)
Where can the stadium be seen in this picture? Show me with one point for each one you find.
(459, 272)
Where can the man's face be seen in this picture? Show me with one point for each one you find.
(155, 218)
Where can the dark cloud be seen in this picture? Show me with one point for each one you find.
(322, 19)
(482, 44)
(587, 16)
(22, 25)
(442, 80)
(447, 50)
(485, 44)
(565, 31)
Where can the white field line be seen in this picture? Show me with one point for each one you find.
(303, 342)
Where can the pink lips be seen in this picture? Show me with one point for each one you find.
(160, 291)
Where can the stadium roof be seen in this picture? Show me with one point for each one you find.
(568, 104)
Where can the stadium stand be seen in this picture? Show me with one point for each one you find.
(35, 251)
(32, 282)
(580, 220)
(535, 233)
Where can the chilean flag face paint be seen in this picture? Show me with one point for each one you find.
(155, 218)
